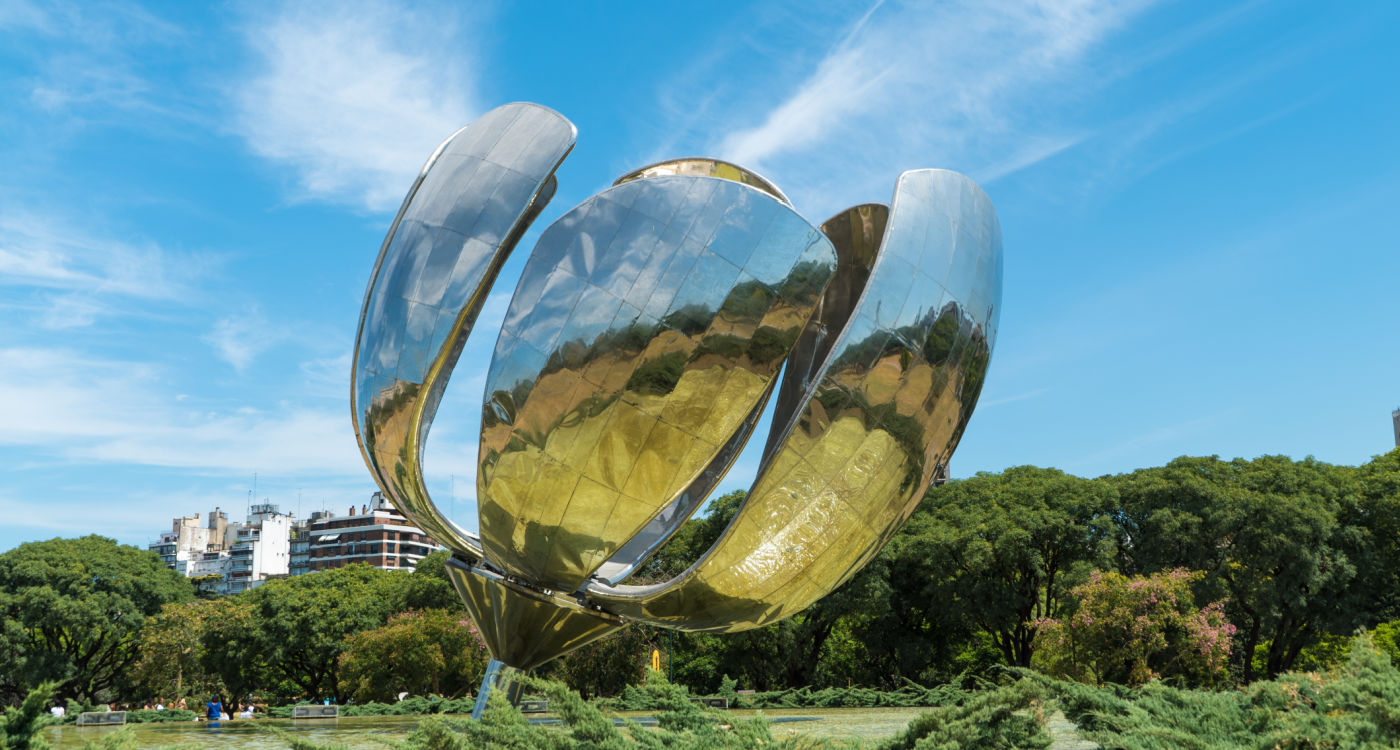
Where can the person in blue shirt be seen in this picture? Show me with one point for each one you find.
(213, 708)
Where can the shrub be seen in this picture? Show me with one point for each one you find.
(430, 651)
(1356, 705)
(20, 726)
(1135, 629)
(994, 719)
(147, 716)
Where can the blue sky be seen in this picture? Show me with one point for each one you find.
(1197, 200)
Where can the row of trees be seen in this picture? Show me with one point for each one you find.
(112, 623)
(1256, 567)
(1293, 555)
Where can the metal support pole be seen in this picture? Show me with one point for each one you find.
(498, 677)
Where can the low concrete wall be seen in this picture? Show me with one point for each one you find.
(315, 712)
(101, 718)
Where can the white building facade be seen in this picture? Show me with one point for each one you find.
(241, 555)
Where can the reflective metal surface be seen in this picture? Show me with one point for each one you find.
(522, 626)
(703, 166)
(884, 411)
(649, 329)
(473, 199)
(646, 330)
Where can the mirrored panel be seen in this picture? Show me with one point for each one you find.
(884, 407)
(461, 218)
(621, 410)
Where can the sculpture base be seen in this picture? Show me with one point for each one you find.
(498, 677)
(524, 627)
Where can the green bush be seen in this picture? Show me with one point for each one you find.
(20, 726)
(1357, 705)
(416, 705)
(411, 706)
(146, 716)
(998, 719)
(911, 694)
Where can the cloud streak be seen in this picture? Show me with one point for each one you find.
(239, 338)
(48, 252)
(353, 97)
(83, 409)
(959, 85)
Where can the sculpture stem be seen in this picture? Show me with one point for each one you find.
(499, 677)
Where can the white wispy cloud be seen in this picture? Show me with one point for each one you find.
(354, 96)
(86, 409)
(960, 85)
(24, 15)
(327, 377)
(994, 402)
(95, 56)
(240, 337)
(50, 252)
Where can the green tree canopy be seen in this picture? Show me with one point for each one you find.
(173, 662)
(1270, 536)
(72, 610)
(433, 651)
(1134, 629)
(295, 628)
(429, 587)
(608, 665)
(1000, 551)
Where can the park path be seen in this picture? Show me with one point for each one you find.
(1065, 734)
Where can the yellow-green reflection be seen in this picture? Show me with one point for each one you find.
(646, 334)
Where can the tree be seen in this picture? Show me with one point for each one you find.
(433, 651)
(72, 611)
(606, 666)
(233, 646)
(172, 663)
(1270, 536)
(1001, 551)
(207, 585)
(1131, 630)
(298, 625)
(428, 587)
(1376, 513)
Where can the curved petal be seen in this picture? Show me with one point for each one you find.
(645, 333)
(704, 166)
(884, 412)
(464, 214)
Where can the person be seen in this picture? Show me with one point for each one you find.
(214, 708)
(160, 705)
(247, 712)
(182, 705)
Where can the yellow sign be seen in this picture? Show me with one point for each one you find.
(656, 659)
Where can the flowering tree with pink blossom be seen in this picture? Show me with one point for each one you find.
(1132, 630)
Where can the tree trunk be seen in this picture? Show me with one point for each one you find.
(1249, 643)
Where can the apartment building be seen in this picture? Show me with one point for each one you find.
(378, 534)
(241, 555)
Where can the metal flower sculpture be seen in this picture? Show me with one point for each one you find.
(650, 328)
